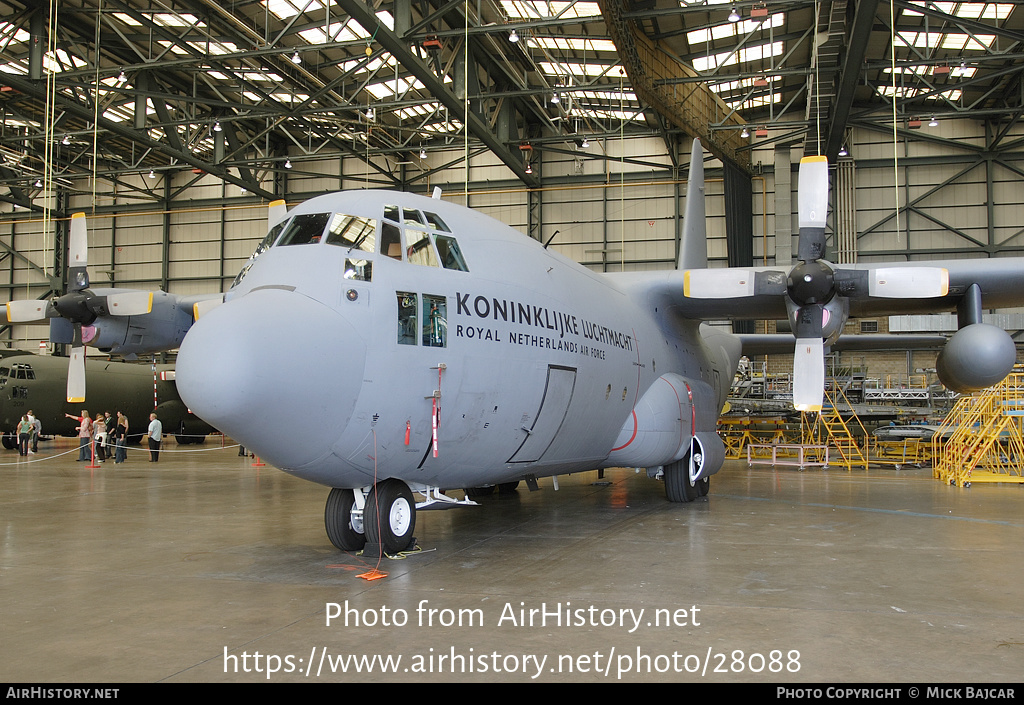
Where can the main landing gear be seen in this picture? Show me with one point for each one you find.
(385, 515)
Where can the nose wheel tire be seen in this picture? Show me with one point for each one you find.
(341, 525)
(389, 517)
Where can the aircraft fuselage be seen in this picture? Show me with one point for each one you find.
(524, 362)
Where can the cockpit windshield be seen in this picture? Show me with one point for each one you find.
(304, 229)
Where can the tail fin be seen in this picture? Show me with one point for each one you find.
(693, 247)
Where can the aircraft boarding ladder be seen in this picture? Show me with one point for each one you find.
(982, 439)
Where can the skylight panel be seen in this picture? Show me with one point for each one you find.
(62, 60)
(285, 9)
(336, 32)
(392, 87)
(728, 58)
(12, 34)
(167, 19)
(607, 114)
(734, 29)
(566, 68)
(967, 10)
(15, 67)
(573, 43)
(904, 92)
(535, 9)
(954, 41)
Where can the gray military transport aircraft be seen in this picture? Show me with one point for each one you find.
(37, 383)
(439, 348)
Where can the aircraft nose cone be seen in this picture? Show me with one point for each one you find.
(274, 370)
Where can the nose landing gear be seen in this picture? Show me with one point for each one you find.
(385, 517)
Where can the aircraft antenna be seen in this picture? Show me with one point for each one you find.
(551, 238)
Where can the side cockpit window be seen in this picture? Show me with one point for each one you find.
(451, 255)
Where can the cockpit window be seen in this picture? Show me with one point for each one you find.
(304, 229)
(352, 232)
(436, 222)
(268, 241)
(412, 216)
(392, 213)
(418, 248)
(21, 371)
(451, 255)
(391, 241)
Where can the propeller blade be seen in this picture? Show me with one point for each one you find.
(130, 303)
(812, 192)
(277, 212)
(812, 200)
(78, 254)
(808, 374)
(718, 283)
(26, 311)
(732, 283)
(908, 282)
(76, 374)
(809, 358)
(201, 308)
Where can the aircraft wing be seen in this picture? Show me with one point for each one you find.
(1000, 284)
(782, 343)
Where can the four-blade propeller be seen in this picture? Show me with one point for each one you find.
(78, 307)
(816, 292)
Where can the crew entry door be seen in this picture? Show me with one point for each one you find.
(548, 420)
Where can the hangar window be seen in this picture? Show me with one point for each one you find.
(304, 229)
(435, 325)
(451, 255)
(869, 326)
(352, 232)
(407, 305)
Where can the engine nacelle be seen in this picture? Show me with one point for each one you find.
(977, 356)
(163, 328)
(659, 429)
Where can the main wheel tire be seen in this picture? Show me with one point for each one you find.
(389, 517)
(10, 441)
(508, 487)
(474, 492)
(677, 482)
(338, 521)
(703, 485)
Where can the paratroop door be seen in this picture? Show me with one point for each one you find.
(548, 420)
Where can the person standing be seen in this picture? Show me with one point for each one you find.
(156, 434)
(24, 433)
(84, 435)
(100, 428)
(37, 431)
(120, 438)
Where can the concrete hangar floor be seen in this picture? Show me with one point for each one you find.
(203, 568)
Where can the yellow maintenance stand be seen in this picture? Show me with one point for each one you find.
(830, 428)
(982, 439)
